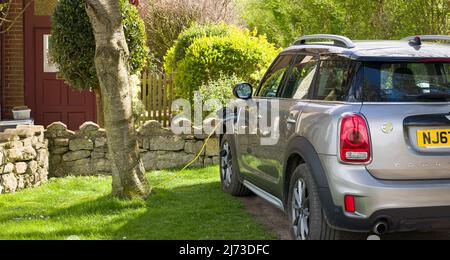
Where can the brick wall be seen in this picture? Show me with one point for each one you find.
(13, 88)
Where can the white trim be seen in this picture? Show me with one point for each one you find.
(265, 195)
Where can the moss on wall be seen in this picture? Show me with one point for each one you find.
(44, 7)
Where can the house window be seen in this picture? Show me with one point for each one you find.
(49, 65)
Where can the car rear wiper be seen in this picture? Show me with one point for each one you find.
(433, 96)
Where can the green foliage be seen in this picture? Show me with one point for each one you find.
(136, 36)
(187, 37)
(205, 56)
(73, 43)
(220, 90)
(166, 19)
(138, 108)
(84, 207)
(4, 6)
(285, 20)
(178, 51)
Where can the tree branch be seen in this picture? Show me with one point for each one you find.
(14, 21)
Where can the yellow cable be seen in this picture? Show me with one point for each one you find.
(177, 174)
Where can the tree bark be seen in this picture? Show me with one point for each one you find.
(99, 106)
(111, 62)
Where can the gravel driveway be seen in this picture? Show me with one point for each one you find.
(277, 222)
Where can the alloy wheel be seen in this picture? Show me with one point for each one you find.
(226, 164)
(300, 211)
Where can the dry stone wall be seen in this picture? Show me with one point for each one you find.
(80, 153)
(85, 151)
(24, 159)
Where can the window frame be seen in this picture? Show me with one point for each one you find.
(314, 81)
(355, 67)
(269, 72)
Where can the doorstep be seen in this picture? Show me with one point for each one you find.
(7, 124)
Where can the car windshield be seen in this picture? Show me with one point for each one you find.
(407, 82)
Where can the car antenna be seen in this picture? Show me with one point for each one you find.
(416, 41)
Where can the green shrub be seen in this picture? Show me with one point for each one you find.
(136, 36)
(73, 43)
(187, 37)
(166, 19)
(220, 90)
(138, 108)
(202, 55)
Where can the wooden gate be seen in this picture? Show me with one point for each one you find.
(157, 95)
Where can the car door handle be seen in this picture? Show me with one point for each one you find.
(292, 121)
(266, 133)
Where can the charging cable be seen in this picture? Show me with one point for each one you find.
(180, 172)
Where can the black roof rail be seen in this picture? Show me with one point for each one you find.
(338, 40)
(428, 38)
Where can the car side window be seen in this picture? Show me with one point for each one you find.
(333, 82)
(273, 80)
(299, 81)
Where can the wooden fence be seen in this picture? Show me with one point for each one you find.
(157, 95)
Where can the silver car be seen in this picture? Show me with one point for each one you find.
(363, 131)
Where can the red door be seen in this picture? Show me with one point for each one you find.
(49, 98)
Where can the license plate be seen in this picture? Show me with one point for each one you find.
(433, 138)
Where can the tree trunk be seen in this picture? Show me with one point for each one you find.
(111, 62)
(99, 106)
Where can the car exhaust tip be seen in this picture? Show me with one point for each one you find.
(381, 228)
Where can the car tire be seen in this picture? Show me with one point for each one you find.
(311, 214)
(229, 169)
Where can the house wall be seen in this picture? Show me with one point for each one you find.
(13, 62)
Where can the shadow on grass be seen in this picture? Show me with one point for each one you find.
(199, 211)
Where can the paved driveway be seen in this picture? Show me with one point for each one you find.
(276, 221)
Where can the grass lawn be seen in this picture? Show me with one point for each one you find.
(192, 206)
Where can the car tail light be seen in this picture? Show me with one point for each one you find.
(355, 144)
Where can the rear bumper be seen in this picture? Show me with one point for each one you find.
(405, 205)
(398, 220)
(410, 219)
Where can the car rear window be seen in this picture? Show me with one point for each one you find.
(407, 82)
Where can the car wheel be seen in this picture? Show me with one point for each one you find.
(306, 216)
(229, 169)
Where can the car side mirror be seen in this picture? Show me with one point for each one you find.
(243, 91)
